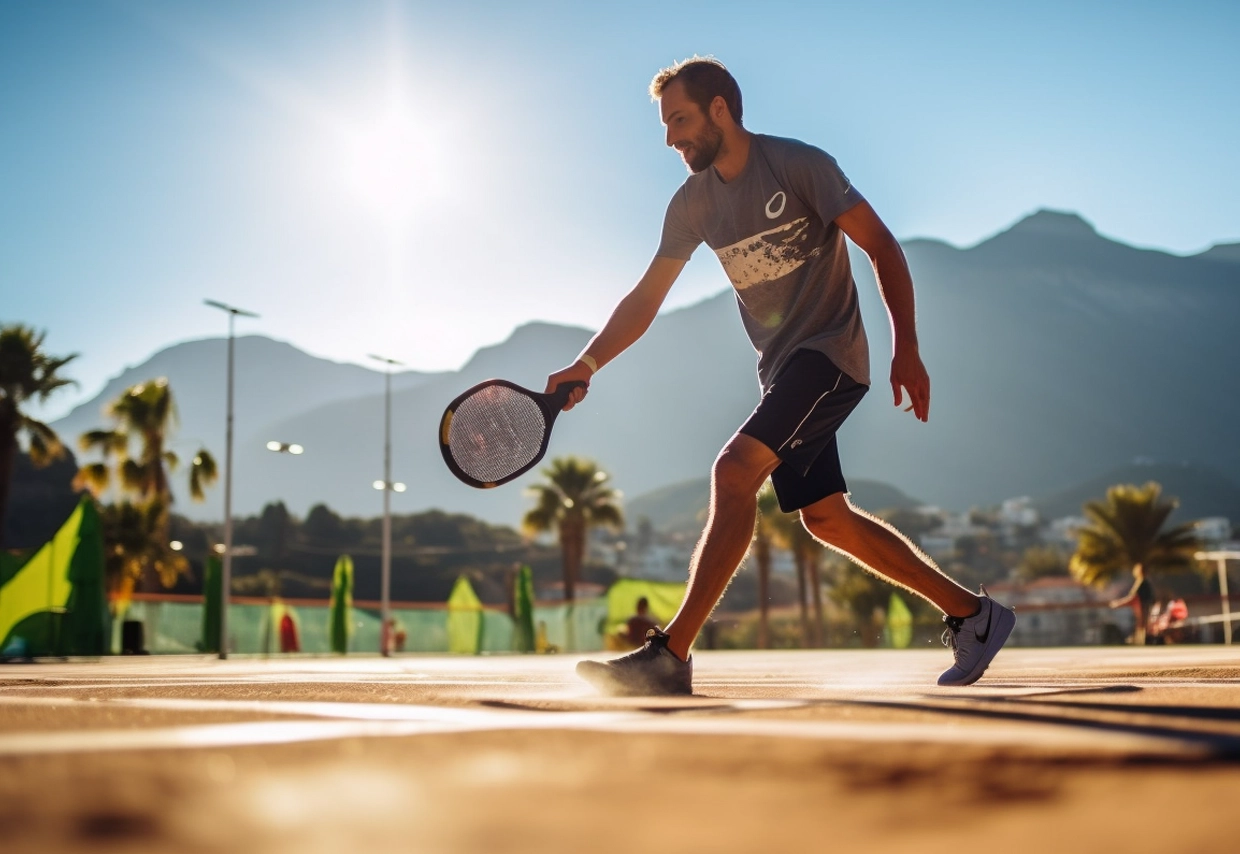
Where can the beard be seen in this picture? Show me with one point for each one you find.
(701, 153)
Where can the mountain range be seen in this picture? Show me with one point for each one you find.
(1056, 355)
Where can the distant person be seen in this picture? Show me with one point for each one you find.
(636, 626)
(1176, 613)
(394, 635)
(1141, 598)
(776, 212)
(1166, 622)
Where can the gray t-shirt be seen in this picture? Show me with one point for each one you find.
(772, 229)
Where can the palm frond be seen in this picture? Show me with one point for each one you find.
(133, 476)
(202, 473)
(45, 445)
(1126, 529)
(107, 442)
(94, 478)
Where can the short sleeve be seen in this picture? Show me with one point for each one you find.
(820, 183)
(679, 239)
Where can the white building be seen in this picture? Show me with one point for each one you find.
(1214, 529)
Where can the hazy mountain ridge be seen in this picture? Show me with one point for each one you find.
(1055, 354)
(1200, 491)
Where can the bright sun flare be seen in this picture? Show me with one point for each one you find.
(394, 166)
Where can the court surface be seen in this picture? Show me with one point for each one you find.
(1080, 749)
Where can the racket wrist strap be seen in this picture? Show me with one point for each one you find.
(588, 360)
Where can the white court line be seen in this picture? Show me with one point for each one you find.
(382, 720)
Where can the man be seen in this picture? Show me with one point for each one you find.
(1141, 598)
(776, 212)
(639, 625)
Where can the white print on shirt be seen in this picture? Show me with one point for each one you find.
(771, 211)
(767, 256)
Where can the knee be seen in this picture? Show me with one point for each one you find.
(735, 474)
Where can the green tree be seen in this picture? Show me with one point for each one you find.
(26, 373)
(1042, 562)
(787, 532)
(864, 595)
(273, 530)
(1127, 530)
(135, 452)
(574, 498)
(136, 543)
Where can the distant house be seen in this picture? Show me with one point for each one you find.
(1214, 530)
(1064, 530)
(942, 542)
(1061, 611)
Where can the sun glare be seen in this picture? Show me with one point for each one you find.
(394, 166)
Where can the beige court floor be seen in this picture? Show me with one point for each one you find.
(1075, 749)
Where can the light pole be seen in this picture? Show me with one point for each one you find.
(226, 573)
(1221, 557)
(385, 583)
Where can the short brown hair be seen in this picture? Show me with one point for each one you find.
(704, 78)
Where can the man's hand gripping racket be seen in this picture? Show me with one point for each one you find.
(497, 430)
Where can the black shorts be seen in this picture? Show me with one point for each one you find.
(797, 419)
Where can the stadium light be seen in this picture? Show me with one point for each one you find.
(286, 448)
(388, 487)
(226, 572)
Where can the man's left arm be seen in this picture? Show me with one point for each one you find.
(895, 284)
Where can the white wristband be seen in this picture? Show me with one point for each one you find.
(588, 360)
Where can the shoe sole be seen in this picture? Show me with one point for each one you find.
(999, 633)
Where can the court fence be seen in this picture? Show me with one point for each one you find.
(264, 626)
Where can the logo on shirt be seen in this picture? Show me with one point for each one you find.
(771, 210)
(768, 256)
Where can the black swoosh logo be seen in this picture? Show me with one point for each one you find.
(989, 619)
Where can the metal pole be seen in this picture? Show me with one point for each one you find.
(385, 583)
(385, 608)
(226, 570)
(1221, 558)
(1222, 589)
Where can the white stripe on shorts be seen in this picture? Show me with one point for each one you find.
(811, 412)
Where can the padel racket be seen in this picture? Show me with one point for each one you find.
(498, 431)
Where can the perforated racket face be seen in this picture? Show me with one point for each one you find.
(493, 433)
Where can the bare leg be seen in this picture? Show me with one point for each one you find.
(880, 548)
(738, 474)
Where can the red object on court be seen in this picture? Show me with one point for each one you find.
(288, 635)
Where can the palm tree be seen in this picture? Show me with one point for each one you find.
(26, 373)
(788, 532)
(135, 542)
(574, 498)
(862, 593)
(1126, 532)
(144, 416)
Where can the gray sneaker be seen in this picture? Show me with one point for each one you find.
(650, 671)
(976, 640)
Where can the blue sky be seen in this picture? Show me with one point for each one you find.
(419, 178)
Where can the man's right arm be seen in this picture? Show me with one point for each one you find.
(629, 320)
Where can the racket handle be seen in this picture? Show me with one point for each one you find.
(560, 396)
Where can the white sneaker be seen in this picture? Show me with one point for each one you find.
(976, 640)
